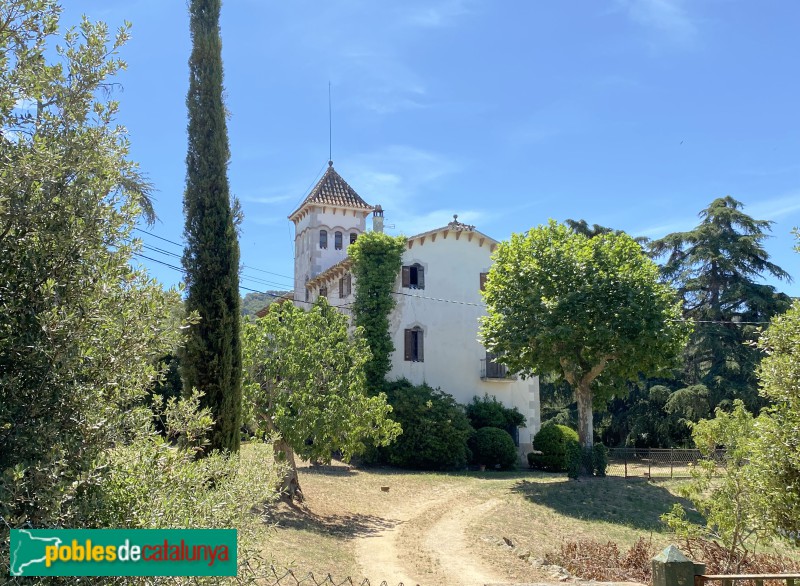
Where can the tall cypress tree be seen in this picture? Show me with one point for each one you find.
(212, 362)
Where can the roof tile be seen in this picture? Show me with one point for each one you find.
(331, 189)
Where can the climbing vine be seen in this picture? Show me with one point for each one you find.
(377, 259)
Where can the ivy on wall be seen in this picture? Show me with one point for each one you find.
(377, 259)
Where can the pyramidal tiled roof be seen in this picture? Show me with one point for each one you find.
(331, 189)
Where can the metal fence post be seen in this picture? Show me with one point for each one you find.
(671, 460)
(625, 451)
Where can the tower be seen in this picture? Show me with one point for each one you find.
(330, 218)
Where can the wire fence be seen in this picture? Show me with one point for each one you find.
(658, 462)
(289, 578)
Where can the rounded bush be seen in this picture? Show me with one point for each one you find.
(551, 441)
(575, 457)
(435, 429)
(599, 459)
(494, 447)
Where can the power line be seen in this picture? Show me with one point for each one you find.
(180, 270)
(155, 249)
(159, 237)
(440, 299)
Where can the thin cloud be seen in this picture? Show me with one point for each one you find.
(775, 208)
(397, 173)
(268, 199)
(769, 209)
(437, 14)
(661, 230)
(411, 224)
(669, 17)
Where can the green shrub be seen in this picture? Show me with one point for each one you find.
(435, 429)
(215, 491)
(489, 412)
(599, 460)
(551, 441)
(574, 457)
(494, 447)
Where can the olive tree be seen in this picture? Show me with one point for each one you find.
(80, 326)
(591, 309)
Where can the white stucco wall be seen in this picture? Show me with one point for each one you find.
(452, 352)
(309, 259)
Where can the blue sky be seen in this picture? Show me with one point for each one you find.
(633, 114)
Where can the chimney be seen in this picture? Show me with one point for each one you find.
(377, 219)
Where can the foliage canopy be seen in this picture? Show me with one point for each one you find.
(716, 268)
(589, 308)
(80, 327)
(304, 382)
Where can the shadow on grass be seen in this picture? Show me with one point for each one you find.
(341, 526)
(630, 502)
(327, 470)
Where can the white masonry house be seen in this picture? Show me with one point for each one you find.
(434, 326)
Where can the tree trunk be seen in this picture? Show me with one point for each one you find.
(583, 394)
(290, 484)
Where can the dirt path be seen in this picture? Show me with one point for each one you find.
(426, 544)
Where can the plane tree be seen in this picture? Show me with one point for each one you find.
(590, 309)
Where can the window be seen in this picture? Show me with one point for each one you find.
(323, 239)
(414, 277)
(323, 292)
(337, 240)
(345, 286)
(413, 345)
(484, 276)
(353, 237)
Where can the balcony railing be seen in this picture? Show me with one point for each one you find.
(491, 370)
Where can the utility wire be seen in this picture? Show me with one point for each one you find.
(181, 256)
(441, 300)
(180, 270)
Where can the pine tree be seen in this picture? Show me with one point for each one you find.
(213, 357)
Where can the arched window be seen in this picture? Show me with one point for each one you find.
(337, 240)
(413, 345)
(323, 239)
(353, 237)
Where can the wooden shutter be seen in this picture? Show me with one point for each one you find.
(406, 276)
(341, 287)
(483, 281)
(349, 283)
(409, 345)
(420, 277)
(420, 353)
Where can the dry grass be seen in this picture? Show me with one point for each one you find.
(543, 514)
